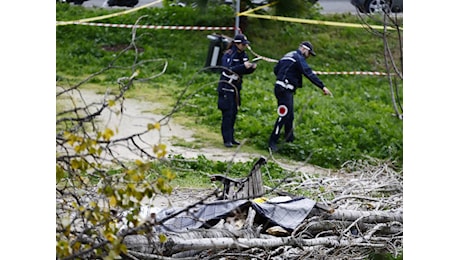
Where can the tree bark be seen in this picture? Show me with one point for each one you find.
(367, 216)
(337, 225)
(175, 245)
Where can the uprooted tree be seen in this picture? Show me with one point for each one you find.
(99, 196)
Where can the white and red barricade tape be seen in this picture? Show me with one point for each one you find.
(165, 27)
(222, 28)
(372, 73)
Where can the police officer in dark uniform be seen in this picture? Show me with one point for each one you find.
(236, 63)
(289, 71)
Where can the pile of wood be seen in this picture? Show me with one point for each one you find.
(363, 216)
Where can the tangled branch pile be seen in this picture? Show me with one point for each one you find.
(366, 219)
(368, 202)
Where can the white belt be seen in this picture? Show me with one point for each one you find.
(285, 85)
(228, 89)
(232, 77)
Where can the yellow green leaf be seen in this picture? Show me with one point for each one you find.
(108, 133)
(79, 148)
(110, 236)
(169, 174)
(160, 183)
(123, 248)
(113, 201)
(161, 154)
(138, 163)
(59, 173)
(75, 164)
(162, 238)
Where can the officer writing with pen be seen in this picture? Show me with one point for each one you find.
(236, 63)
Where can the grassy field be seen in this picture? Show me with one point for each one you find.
(357, 123)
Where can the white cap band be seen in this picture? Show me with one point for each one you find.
(306, 47)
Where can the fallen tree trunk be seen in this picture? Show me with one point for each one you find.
(315, 227)
(366, 216)
(175, 245)
(149, 244)
(336, 224)
(222, 243)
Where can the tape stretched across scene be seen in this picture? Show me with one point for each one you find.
(250, 13)
(228, 28)
(372, 73)
(109, 15)
(166, 27)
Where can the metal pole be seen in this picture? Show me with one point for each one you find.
(237, 18)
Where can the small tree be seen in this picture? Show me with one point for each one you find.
(392, 38)
(97, 193)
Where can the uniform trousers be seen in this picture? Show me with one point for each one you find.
(228, 104)
(285, 99)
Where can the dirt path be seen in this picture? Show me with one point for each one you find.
(137, 114)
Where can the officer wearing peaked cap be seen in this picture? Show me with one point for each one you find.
(289, 71)
(236, 63)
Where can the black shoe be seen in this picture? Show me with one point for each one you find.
(229, 144)
(235, 142)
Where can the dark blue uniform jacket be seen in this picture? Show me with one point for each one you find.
(292, 66)
(234, 61)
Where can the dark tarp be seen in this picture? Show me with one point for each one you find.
(288, 214)
(198, 216)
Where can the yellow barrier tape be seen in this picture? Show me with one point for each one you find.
(106, 16)
(309, 21)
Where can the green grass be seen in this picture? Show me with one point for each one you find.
(195, 173)
(357, 122)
